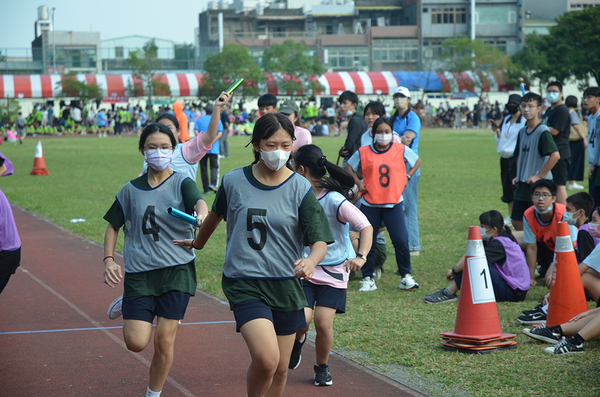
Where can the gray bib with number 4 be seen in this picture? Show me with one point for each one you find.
(149, 230)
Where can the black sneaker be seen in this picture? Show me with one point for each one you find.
(543, 333)
(566, 346)
(440, 297)
(531, 319)
(536, 309)
(322, 377)
(296, 356)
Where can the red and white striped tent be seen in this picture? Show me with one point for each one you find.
(186, 84)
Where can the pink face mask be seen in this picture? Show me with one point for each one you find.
(593, 230)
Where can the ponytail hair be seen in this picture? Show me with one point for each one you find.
(311, 157)
(493, 219)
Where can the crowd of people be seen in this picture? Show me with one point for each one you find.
(299, 225)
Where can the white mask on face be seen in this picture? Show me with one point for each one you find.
(383, 139)
(276, 159)
(401, 103)
(158, 159)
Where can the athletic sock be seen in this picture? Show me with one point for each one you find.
(150, 393)
(448, 292)
(577, 339)
(557, 329)
(545, 309)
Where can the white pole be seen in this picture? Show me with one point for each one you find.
(53, 44)
(220, 18)
(472, 19)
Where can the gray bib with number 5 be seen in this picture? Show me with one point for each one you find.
(264, 237)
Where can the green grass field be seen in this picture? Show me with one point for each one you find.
(389, 329)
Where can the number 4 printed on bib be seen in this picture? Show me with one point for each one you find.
(149, 217)
(482, 289)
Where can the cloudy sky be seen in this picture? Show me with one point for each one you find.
(172, 20)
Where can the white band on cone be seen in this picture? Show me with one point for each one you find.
(563, 244)
(38, 150)
(475, 248)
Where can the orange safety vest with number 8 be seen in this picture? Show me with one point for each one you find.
(384, 174)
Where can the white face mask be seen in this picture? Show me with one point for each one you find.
(348, 113)
(400, 103)
(276, 159)
(158, 159)
(383, 139)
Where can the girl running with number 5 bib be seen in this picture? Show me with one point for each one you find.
(271, 214)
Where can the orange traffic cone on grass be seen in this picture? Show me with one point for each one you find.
(567, 297)
(477, 327)
(39, 164)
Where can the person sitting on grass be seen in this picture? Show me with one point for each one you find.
(579, 207)
(540, 225)
(568, 337)
(508, 269)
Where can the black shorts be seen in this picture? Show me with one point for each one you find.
(9, 262)
(519, 208)
(560, 172)
(324, 295)
(285, 323)
(144, 308)
(508, 172)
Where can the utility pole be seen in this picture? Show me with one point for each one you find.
(53, 44)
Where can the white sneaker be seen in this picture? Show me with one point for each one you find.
(367, 284)
(115, 310)
(377, 273)
(575, 186)
(408, 282)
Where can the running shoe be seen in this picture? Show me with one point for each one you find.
(322, 377)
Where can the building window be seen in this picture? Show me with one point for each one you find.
(501, 44)
(448, 15)
(394, 50)
(118, 52)
(348, 58)
(496, 15)
(581, 6)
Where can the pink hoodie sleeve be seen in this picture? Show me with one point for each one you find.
(193, 150)
(349, 213)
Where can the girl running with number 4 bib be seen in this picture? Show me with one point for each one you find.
(271, 214)
(159, 277)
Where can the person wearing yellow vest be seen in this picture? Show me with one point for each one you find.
(385, 174)
(540, 225)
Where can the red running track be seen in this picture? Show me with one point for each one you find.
(56, 339)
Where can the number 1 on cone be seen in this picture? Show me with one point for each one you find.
(480, 280)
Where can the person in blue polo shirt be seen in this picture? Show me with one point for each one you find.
(407, 124)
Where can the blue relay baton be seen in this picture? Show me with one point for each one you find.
(182, 216)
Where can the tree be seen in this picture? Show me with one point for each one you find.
(294, 69)
(9, 111)
(185, 55)
(462, 54)
(144, 63)
(573, 45)
(225, 68)
(532, 60)
(72, 88)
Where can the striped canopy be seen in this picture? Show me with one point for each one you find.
(186, 84)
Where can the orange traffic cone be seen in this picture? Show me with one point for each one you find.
(567, 298)
(39, 164)
(477, 327)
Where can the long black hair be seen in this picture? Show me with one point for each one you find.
(494, 219)
(312, 158)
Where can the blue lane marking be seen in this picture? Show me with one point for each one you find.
(101, 328)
